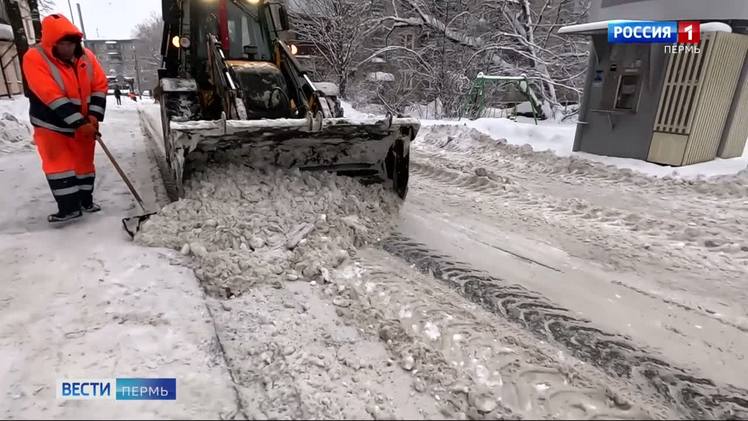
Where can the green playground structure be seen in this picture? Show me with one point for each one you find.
(474, 103)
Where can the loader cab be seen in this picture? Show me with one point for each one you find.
(246, 33)
(251, 31)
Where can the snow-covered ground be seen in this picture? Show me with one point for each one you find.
(85, 302)
(511, 283)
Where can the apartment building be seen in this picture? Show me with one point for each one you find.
(124, 63)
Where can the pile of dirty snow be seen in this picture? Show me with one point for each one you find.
(360, 112)
(558, 139)
(493, 152)
(15, 129)
(247, 226)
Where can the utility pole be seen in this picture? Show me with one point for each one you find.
(72, 16)
(137, 72)
(80, 19)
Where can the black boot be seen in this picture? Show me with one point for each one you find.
(92, 207)
(68, 209)
(65, 190)
(60, 217)
(85, 194)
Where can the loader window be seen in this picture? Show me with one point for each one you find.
(246, 30)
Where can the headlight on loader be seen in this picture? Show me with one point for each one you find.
(183, 42)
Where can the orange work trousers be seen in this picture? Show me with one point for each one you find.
(61, 154)
(68, 163)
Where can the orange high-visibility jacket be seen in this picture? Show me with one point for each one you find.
(63, 94)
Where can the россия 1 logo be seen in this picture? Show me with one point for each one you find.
(652, 32)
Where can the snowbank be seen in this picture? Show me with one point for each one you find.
(350, 112)
(559, 139)
(150, 113)
(15, 129)
(425, 111)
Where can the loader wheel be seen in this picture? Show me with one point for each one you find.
(402, 166)
(177, 167)
(398, 168)
(165, 132)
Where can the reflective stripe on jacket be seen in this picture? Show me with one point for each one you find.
(63, 94)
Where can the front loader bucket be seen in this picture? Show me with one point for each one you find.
(374, 149)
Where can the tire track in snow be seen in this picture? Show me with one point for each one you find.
(480, 366)
(690, 396)
(584, 221)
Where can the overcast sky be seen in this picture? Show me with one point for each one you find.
(110, 18)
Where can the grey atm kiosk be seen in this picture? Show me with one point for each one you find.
(675, 109)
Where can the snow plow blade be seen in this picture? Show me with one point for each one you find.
(376, 150)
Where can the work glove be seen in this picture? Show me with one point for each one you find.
(88, 131)
(93, 120)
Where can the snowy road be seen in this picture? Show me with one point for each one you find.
(658, 266)
(514, 284)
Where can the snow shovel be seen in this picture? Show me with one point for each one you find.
(131, 224)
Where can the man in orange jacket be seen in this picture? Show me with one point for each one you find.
(67, 102)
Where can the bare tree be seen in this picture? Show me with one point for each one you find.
(149, 34)
(464, 35)
(338, 30)
(46, 6)
(456, 39)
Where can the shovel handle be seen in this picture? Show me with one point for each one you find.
(121, 173)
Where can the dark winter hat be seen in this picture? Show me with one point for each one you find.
(71, 38)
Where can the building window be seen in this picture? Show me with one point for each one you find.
(377, 7)
(409, 41)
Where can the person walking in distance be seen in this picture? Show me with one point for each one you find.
(118, 95)
(67, 97)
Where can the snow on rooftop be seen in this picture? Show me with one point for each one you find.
(715, 27)
(591, 26)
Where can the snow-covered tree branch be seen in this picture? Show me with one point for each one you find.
(441, 45)
(338, 30)
(149, 33)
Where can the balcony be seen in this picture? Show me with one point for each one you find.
(114, 57)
